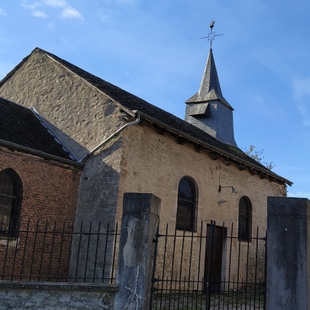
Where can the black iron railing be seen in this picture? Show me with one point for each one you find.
(60, 251)
(208, 269)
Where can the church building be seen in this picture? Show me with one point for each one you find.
(126, 144)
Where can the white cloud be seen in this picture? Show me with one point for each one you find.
(301, 90)
(2, 12)
(56, 3)
(104, 17)
(30, 6)
(67, 10)
(298, 194)
(126, 1)
(39, 14)
(121, 1)
(304, 111)
(70, 12)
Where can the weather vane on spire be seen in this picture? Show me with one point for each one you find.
(211, 36)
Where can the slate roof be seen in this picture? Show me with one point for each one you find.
(170, 121)
(210, 88)
(20, 126)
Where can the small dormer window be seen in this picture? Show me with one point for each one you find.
(198, 109)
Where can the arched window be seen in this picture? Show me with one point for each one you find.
(245, 219)
(10, 201)
(187, 204)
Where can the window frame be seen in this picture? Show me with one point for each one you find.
(16, 199)
(245, 211)
(192, 203)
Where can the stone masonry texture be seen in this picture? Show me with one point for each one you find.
(56, 297)
(139, 160)
(82, 117)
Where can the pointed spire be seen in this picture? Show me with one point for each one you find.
(210, 88)
(210, 79)
(208, 109)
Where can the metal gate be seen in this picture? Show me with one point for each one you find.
(208, 269)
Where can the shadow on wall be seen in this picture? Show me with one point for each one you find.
(74, 148)
(99, 185)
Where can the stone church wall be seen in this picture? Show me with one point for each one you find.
(155, 163)
(138, 160)
(82, 117)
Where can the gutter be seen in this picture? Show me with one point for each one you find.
(25, 149)
(213, 148)
(117, 132)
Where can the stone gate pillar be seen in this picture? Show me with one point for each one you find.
(136, 252)
(288, 242)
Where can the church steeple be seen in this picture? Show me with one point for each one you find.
(210, 88)
(210, 79)
(208, 109)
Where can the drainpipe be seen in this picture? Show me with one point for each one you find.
(136, 121)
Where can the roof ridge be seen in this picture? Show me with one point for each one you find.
(133, 102)
(130, 102)
(19, 126)
(52, 133)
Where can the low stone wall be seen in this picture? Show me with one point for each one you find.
(52, 296)
(288, 249)
(134, 270)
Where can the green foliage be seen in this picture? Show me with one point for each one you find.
(258, 156)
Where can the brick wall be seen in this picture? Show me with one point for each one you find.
(49, 202)
(50, 190)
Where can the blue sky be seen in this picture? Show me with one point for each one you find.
(152, 48)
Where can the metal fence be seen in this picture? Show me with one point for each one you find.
(60, 251)
(208, 269)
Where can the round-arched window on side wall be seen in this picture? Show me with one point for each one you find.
(187, 204)
(10, 202)
(245, 219)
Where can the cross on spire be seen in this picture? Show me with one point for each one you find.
(211, 36)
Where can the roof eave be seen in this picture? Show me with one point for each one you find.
(212, 148)
(143, 115)
(24, 149)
